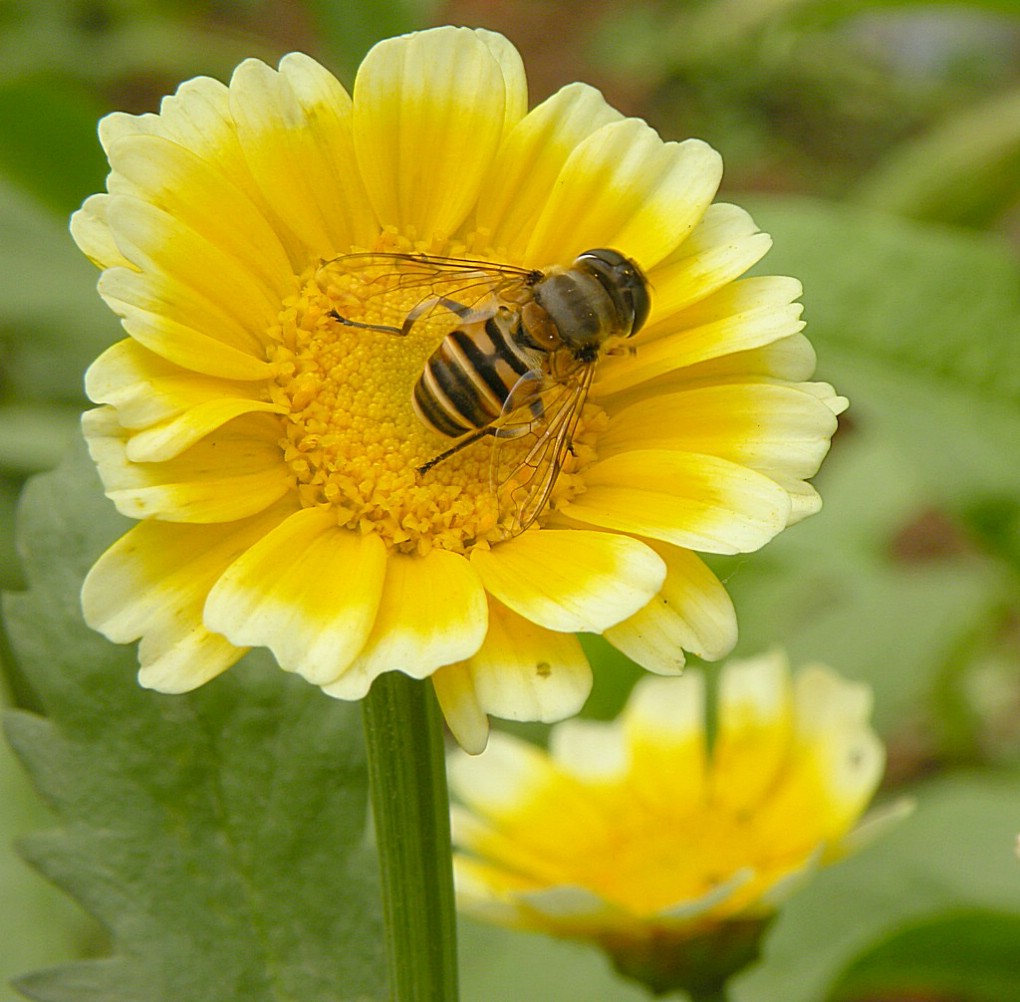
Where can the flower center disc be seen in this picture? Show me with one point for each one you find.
(353, 440)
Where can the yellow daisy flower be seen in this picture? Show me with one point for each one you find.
(641, 836)
(258, 420)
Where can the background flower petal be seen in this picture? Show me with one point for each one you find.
(499, 783)
(832, 716)
(664, 728)
(592, 751)
(755, 726)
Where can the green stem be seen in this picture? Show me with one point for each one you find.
(410, 805)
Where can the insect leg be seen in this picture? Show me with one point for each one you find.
(384, 328)
(466, 313)
(456, 447)
(529, 385)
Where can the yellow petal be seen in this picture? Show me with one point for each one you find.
(196, 117)
(515, 80)
(782, 431)
(308, 591)
(722, 247)
(623, 187)
(146, 388)
(429, 114)
(692, 612)
(234, 472)
(91, 232)
(468, 722)
(182, 326)
(295, 129)
(198, 195)
(526, 168)
(755, 717)
(159, 244)
(693, 501)
(592, 751)
(525, 672)
(570, 580)
(791, 358)
(743, 315)
(175, 407)
(832, 729)
(432, 612)
(153, 582)
(171, 438)
(664, 725)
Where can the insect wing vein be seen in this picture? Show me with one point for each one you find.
(423, 284)
(549, 435)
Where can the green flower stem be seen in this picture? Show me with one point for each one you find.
(410, 804)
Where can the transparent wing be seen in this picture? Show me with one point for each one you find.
(397, 291)
(533, 441)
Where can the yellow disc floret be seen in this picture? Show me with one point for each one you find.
(352, 439)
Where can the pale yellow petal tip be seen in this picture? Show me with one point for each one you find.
(757, 687)
(467, 720)
(667, 709)
(590, 750)
(501, 780)
(91, 232)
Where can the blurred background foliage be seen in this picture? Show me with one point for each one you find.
(879, 142)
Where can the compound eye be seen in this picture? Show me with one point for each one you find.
(640, 300)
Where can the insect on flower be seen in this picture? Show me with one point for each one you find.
(519, 364)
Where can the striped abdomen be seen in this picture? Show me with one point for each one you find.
(468, 378)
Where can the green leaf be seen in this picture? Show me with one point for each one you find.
(972, 956)
(955, 853)
(918, 325)
(50, 148)
(965, 170)
(219, 836)
(506, 964)
(52, 323)
(49, 928)
(833, 589)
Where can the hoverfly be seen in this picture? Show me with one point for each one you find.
(520, 361)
